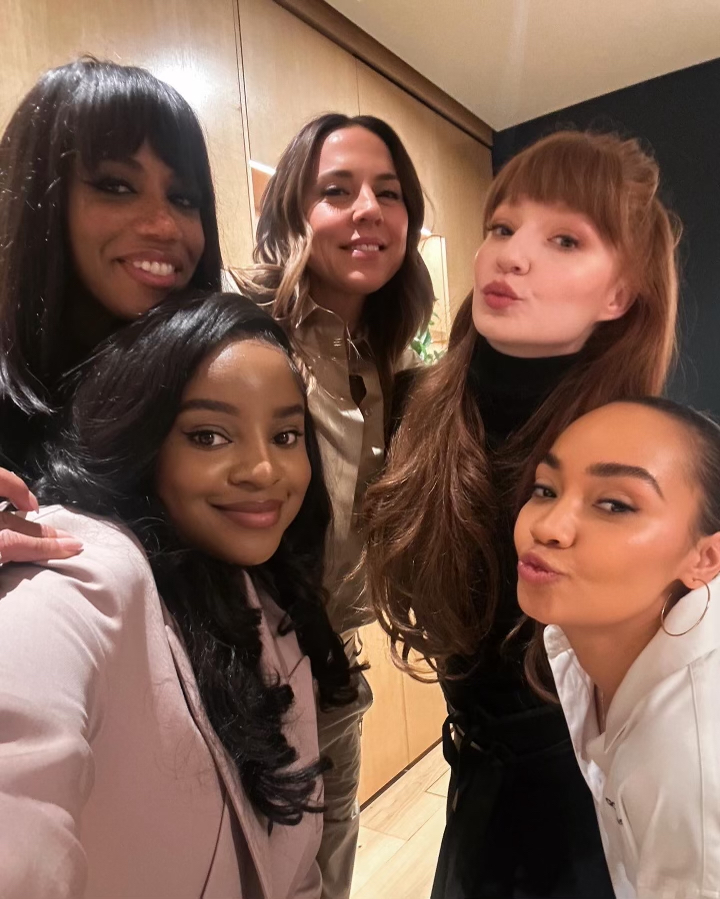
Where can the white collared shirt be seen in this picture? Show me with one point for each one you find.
(655, 772)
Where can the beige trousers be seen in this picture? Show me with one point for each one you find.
(339, 737)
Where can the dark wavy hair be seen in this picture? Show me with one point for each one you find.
(396, 312)
(91, 111)
(104, 463)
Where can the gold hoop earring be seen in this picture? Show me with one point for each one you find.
(664, 612)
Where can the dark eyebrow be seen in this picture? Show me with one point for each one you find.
(229, 409)
(129, 161)
(619, 470)
(210, 405)
(551, 460)
(345, 173)
(610, 470)
(287, 411)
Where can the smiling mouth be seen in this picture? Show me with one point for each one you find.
(365, 246)
(254, 515)
(157, 274)
(155, 268)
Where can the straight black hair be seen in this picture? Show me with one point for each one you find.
(104, 463)
(85, 111)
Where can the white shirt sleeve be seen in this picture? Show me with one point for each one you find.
(669, 795)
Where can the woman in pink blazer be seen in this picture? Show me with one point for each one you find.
(158, 733)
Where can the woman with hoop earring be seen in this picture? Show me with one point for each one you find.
(619, 552)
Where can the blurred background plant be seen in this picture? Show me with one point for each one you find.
(423, 344)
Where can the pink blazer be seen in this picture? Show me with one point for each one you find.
(113, 784)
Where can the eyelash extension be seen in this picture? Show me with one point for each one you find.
(193, 436)
(496, 227)
(622, 508)
(575, 243)
(538, 486)
(109, 184)
(295, 432)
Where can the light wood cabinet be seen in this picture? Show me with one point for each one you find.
(462, 181)
(385, 745)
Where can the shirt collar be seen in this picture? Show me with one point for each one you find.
(662, 657)
(320, 320)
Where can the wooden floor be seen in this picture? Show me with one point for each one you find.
(400, 834)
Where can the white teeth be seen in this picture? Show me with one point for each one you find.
(155, 268)
(367, 247)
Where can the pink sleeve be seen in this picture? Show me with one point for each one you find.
(57, 626)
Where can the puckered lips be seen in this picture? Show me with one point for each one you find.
(535, 570)
(256, 514)
(499, 295)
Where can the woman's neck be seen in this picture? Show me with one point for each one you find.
(348, 306)
(606, 654)
(87, 321)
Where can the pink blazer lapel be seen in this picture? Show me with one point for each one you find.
(254, 829)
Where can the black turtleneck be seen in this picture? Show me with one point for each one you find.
(508, 390)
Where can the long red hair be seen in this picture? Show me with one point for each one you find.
(432, 554)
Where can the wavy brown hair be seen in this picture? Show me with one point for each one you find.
(435, 517)
(394, 314)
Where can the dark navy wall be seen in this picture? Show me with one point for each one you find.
(679, 116)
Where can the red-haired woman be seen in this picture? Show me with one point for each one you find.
(574, 305)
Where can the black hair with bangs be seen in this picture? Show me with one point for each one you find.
(85, 111)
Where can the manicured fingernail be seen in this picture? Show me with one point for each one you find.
(71, 544)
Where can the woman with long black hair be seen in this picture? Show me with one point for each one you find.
(106, 208)
(159, 733)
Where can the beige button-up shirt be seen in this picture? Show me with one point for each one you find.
(351, 433)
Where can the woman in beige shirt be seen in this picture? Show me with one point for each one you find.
(338, 265)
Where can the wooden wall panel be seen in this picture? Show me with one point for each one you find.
(455, 171)
(191, 45)
(413, 121)
(292, 73)
(425, 712)
(385, 729)
(464, 177)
